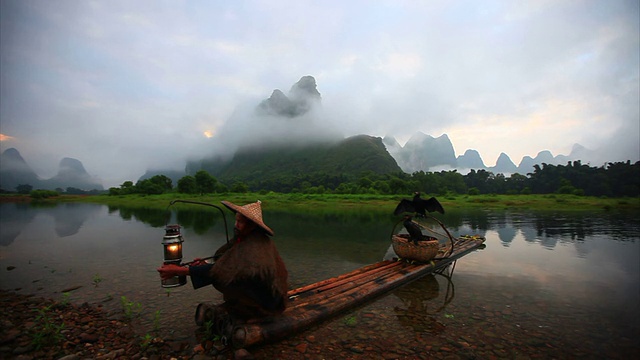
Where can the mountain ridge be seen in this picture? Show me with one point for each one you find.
(290, 137)
(71, 173)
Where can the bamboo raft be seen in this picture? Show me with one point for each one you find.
(314, 303)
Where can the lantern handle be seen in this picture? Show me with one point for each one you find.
(224, 218)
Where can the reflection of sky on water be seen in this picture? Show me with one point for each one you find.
(13, 221)
(68, 218)
(586, 258)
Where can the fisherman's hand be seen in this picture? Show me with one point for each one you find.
(198, 262)
(167, 271)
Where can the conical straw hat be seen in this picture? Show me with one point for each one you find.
(252, 211)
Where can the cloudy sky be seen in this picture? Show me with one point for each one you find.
(128, 85)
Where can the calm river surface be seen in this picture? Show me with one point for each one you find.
(548, 284)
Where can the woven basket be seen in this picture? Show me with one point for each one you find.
(424, 251)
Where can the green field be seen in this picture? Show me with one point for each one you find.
(318, 202)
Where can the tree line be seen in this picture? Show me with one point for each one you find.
(617, 179)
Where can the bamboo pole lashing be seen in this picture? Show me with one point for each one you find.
(356, 277)
(340, 277)
(344, 285)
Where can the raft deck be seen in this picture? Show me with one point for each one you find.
(314, 303)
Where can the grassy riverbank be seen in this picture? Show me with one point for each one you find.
(369, 202)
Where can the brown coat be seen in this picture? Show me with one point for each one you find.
(252, 276)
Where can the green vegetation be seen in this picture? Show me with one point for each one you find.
(46, 332)
(612, 180)
(96, 280)
(42, 194)
(274, 167)
(131, 309)
(210, 331)
(351, 320)
(66, 296)
(572, 186)
(156, 321)
(320, 203)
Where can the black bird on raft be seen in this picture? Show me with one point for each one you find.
(418, 206)
(415, 234)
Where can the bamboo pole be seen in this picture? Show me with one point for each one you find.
(358, 276)
(340, 277)
(346, 285)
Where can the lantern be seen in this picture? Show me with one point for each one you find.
(172, 245)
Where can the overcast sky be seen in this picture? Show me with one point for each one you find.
(128, 85)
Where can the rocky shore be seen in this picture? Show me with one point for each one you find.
(37, 328)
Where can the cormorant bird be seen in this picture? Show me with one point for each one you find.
(418, 206)
(415, 234)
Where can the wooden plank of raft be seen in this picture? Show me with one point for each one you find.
(321, 305)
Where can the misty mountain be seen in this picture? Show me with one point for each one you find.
(71, 173)
(504, 165)
(545, 156)
(302, 97)
(426, 153)
(350, 156)
(286, 135)
(578, 152)
(470, 160)
(15, 171)
(423, 152)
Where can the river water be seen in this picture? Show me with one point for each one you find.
(548, 284)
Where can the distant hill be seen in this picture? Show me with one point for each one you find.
(71, 173)
(422, 152)
(287, 136)
(351, 156)
(15, 171)
(426, 153)
(470, 160)
(302, 97)
(504, 165)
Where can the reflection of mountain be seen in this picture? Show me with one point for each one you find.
(506, 234)
(363, 237)
(577, 227)
(14, 218)
(530, 234)
(69, 217)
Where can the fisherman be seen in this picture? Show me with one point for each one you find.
(248, 271)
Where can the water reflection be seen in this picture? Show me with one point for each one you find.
(559, 266)
(366, 229)
(14, 217)
(422, 301)
(68, 218)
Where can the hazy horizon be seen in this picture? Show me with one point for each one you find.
(129, 86)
